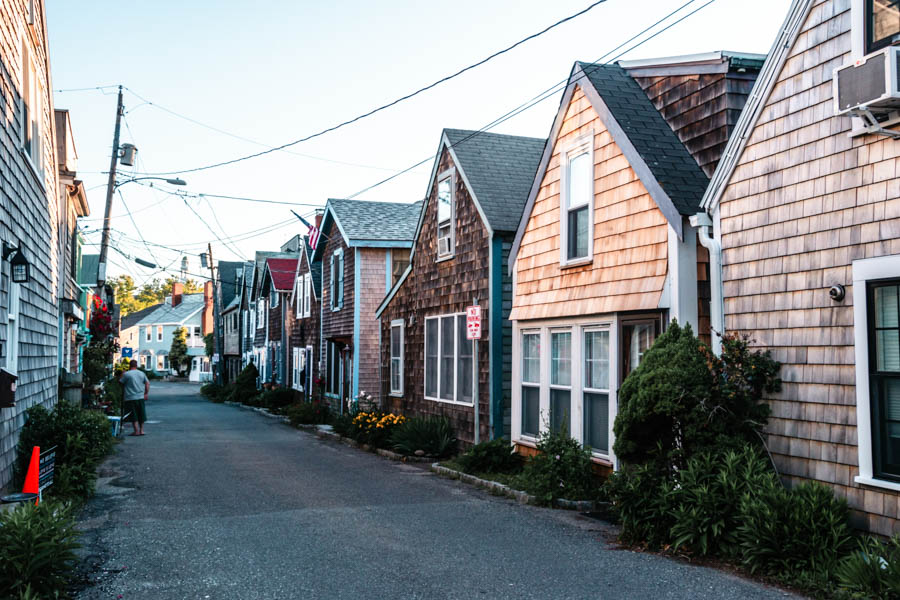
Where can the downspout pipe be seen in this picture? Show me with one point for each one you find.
(704, 226)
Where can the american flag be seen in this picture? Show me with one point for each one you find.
(313, 231)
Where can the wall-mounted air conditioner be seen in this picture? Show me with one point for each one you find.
(868, 85)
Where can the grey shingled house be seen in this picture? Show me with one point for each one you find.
(361, 245)
(476, 193)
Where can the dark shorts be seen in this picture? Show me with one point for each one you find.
(136, 408)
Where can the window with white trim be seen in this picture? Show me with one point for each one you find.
(448, 359)
(307, 294)
(531, 383)
(882, 23)
(31, 108)
(149, 333)
(397, 357)
(260, 313)
(297, 368)
(274, 295)
(159, 333)
(577, 203)
(595, 389)
(446, 209)
(561, 381)
(12, 327)
(337, 279)
(299, 290)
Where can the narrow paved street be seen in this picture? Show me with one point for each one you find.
(216, 502)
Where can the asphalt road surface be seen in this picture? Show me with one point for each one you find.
(218, 502)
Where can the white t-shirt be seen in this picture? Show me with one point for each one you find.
(133, 382)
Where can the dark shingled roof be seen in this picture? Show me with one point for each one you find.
(364, 220)
(501, 169)
(669, 161)
(228, 278)
(133, 318)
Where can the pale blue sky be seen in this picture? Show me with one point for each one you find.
(282, 70)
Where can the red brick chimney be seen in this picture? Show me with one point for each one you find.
(177, 293)
(207, 318)
(319, 215)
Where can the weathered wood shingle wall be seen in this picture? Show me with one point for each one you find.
(630, 236)
(805, 201)
(28, 213)
(372, 268)
(440, 288)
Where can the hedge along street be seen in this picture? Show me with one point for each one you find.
(226, 503)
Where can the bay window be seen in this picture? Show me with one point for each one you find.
(448, 360)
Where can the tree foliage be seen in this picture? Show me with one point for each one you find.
(682, 399)
(131, 299)
(178, 351)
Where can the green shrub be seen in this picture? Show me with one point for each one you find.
(642, 498)
(873, 571)
(431, 435)
(245, 385)
(374, 428)
(308, 413)
(682, 399)
(276, 398)
(211, 391)
(342, 424)
(495, 456)
(561, 469)
(38, 545)
(787, 532)
(707, 494)
(82, 438)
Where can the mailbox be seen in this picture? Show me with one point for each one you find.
(7, 389)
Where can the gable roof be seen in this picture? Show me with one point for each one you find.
(228, 279)
(164, 312)
(260, 265)
(781, 48)
(671, 176)
(132, 319)
(281, 271)
(369, 224)
(498, 170)
(669, 161)
(247, 280)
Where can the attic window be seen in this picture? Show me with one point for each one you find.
(577, 203)
(882, 23)
(446, 207)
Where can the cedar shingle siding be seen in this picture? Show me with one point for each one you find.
(28, 209)
(804, 201)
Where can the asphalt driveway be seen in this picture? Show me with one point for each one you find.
(217, 502)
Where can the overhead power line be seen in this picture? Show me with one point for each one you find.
(389, 104)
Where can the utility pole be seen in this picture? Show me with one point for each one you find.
(217, 366)
(110, 188)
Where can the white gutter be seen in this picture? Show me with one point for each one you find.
(704, 225)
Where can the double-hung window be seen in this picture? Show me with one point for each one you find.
(577, 203)
(882, 23)
(307, 294)
(560, 380)
(148, 333)
(531, 384)
(884, 375)
(299, 291)
(260, 311)
(595, 389)
(448, 360)
(399, 262)
(159, 333)
(337, 279)
(397, 357)
(446, 207)
(31, 108)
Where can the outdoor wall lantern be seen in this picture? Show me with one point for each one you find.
(19, 267)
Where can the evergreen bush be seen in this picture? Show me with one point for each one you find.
(245, 385)
(308, 413)
(873, 571)
(276, 398)
(643, 500)
(682, 399)
(495, 456)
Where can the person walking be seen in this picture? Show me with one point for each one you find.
(136, 389)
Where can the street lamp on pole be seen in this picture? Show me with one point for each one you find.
(172, 181)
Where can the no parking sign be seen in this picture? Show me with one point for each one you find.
(473, 322)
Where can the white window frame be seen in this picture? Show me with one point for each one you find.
(449, 174)
(858, 45)
(396, 323)
(531, 384)
(578, 327)
(458, 317)
(299, 290)
(865, 270)
(572, 372)
(260, 313)
(336, 301)
(307, 294)
(586, 390)
(295, 370)
(31, 111)
(13, 320)
(159, 333)
(149, 334)
(582, 145)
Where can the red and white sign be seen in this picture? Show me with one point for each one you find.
(473, 322)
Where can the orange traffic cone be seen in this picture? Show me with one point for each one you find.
(31, 477)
